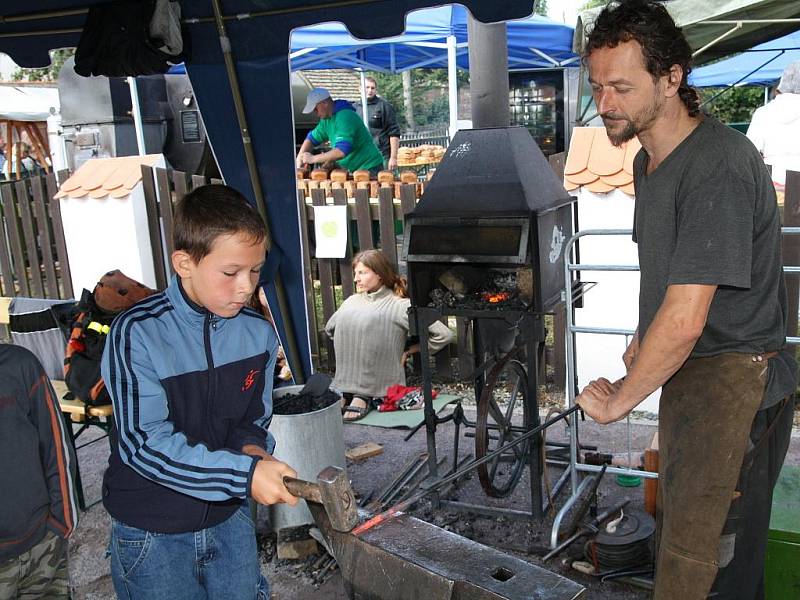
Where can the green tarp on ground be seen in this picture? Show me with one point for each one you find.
(405, 419)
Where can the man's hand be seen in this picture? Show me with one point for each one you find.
(392, 164)
(599, 400)
(267, 486)
(304, 158)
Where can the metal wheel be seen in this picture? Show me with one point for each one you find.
(506, 389)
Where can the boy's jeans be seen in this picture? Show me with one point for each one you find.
(216, 563)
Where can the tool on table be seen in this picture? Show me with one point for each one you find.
(332, 490)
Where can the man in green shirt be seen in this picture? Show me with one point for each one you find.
(352, 146)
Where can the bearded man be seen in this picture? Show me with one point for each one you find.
(712, 310)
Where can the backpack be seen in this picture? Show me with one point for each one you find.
(114, 293)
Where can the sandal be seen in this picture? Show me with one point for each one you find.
(360, 411)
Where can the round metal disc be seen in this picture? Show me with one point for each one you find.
(635, 526)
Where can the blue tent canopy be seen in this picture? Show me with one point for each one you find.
(533, 42)
(761, 65)
(258, 36)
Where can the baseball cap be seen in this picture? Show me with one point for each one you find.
(315, 96)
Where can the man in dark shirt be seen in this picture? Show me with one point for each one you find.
(712, 310)
(382, 123)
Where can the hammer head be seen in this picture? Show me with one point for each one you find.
(337, 498)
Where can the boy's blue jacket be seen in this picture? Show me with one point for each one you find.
(189, 390)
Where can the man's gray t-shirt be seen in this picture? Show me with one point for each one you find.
(708, 215)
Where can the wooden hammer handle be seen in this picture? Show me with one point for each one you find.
(303, 489)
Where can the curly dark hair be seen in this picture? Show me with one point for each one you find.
(650, 25)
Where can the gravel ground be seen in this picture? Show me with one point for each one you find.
(290, 579)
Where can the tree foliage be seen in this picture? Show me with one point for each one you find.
(49, 73)
(593, 4)
(734, 105)
(541, 8)
(428, 92)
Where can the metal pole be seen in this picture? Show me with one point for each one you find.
(488, 73)
(292, 352)
(136, 111)
(363, 90)
(452, 84)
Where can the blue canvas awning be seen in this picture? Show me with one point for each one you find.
(258, 35)
(761, 65)
(533, 42)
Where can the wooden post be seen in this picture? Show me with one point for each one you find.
(154, 227)
(345, 268)
(24, 204)
(12, 223)
(386, 223)
(165, 210)
(651, 485)
(308, 277)
(363, 220)
(58, 232)
(6, 272)
(45, 239)
(325, 267)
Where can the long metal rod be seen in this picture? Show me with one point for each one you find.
(296, 364)
(405, 504)
(136, 110)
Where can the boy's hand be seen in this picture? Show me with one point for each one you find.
(267, 485)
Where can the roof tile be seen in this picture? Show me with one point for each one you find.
(593, 161)
(101, 177)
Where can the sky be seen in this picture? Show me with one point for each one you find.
(565, 11)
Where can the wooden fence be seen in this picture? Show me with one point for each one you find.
(34, 262)
(378, 223)
(33, 253)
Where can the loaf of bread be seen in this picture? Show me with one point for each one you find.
(408, 177)
(361, 176)
(301, 174)
(319, 175)
(339, 175)
(385, 177)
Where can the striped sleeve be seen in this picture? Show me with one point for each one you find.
(148, 441)
(58, 456)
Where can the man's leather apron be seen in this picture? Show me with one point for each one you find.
(705, 415)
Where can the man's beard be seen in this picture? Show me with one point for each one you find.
(634, 126)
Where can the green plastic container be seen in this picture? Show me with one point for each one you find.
(629, 480)
(782, 569)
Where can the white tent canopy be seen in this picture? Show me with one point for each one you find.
(23, 103)
(718, 28)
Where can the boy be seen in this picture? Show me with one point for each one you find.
(192, 405)
(38, 506)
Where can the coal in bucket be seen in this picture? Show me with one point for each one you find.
(309, 436)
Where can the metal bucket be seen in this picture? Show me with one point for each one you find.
(308, 443)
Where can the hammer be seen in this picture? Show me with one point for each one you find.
(333, 492)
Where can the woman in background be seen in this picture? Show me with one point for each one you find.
(370, 331)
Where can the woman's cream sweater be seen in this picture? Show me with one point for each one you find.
(369, 332)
